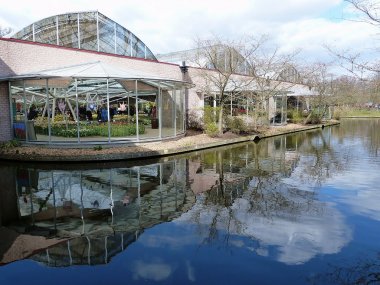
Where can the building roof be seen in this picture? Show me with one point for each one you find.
(89, 30)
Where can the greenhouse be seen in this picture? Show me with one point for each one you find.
(86, 30)
(96, 103)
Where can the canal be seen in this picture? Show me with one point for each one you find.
(296, 209)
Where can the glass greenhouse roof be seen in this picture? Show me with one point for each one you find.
(86, 30)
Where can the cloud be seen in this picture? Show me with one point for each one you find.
(170, 25)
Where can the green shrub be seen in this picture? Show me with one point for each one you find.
(236, 124)
(98, 147)
(337, 113)
(313, 118)
(211, 129)
(117, 130)
(210, 114)
(10, 144)
(295, 116)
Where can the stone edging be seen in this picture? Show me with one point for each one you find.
(96, 157)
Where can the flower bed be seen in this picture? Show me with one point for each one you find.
(87, 130)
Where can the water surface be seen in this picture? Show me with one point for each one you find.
(296, 209)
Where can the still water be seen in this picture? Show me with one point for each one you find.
(296, 209)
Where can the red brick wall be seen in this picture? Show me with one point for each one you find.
(5, 121)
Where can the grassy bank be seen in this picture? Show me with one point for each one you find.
(350, 112)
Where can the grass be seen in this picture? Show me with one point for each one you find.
(371, 113)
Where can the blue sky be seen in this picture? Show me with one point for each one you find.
(171, 25)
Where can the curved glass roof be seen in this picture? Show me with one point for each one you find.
(86, 30)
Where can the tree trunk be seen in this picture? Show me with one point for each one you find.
(220, 122)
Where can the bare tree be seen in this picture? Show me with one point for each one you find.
(5, 31)
(370, 9)
(267, 67)
(368, 12)
(222, 61)
(245, 68)
(323, 84)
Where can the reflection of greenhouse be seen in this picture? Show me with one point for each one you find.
(103, 201)
(86, 250)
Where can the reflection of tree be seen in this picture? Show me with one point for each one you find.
(366, 130)
(320, 159)
(248, 195)
(364, 271)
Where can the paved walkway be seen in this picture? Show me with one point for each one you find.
(141, 150)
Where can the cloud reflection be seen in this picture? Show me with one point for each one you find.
(154, 270)
(295, 239)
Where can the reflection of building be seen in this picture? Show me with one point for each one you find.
(250, 195)
(243, 191)
(85, 250)
(102, 205)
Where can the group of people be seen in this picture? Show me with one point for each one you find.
(86, 112)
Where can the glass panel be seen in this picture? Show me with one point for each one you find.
(68, 30)
(140, 49)
(180, 96)
(284, 109)
(122, 110)
(106, 35)
(133, 42)
(63, 106)
(18, 110)
(25, 34)
(149, 54)
(168, 118)
(88, 32)
(123, 46)
(279, 116)
(36, 121)
(148, 113)
(45, 31)
(92, 112)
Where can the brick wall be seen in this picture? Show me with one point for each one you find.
(5, 121)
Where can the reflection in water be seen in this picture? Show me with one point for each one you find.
(110, 207)
(250, 196)
(267, 198)
(362, 271)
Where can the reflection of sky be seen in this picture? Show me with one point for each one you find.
(156, 270)
(356, 185)
(358, 188)
(296, 240)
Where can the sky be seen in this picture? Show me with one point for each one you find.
(172, 25)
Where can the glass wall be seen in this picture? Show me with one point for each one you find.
(180, 111)
(66, 110)
(280, 107)
(106, 34)
(68, 30)
(86, 30)
(46, 31)
(168, 110)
